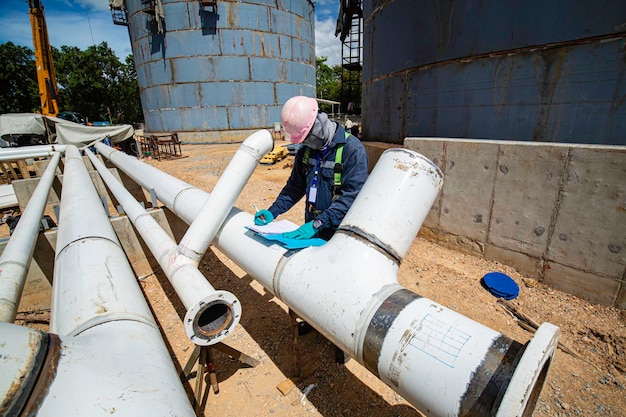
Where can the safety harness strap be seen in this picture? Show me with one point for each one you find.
(337, 168)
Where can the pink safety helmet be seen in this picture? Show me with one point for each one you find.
(297, 117)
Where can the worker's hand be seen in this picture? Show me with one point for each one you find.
(306, 231)
(263, 217)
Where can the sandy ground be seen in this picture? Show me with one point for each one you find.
(589, 382)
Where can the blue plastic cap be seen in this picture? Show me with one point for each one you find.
(500, 285)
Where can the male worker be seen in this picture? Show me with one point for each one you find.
(329, 170)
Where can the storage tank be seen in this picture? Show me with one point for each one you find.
(525, 70)
(215, 70)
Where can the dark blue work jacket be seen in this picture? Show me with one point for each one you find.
(328, 208)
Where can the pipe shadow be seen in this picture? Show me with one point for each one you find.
(338, 391)
(170, 293)
(265, 318)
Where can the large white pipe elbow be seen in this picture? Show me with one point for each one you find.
(440, 361)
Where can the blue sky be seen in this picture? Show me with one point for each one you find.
(83, 23)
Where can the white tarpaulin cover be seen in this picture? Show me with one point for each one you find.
(67, 133)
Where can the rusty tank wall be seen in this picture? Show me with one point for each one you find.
(519, 70)
(214, 73)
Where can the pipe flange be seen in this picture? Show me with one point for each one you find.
(530, 373)
(213, 318)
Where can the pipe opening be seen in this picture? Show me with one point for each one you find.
(537, 388)
(213, 319)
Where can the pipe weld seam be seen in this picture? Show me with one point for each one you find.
(190, 255)
(379, 326)
(12, 262)
(110, 318)
(116, 242)
(8, 302)
(179, 194)
(251, 150)
(362, 235)
(283, 261)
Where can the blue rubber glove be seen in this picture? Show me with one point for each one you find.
(263, 217)
(306, 231)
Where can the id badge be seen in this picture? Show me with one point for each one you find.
(312, 194)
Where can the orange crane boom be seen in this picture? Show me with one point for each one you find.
(46, 77)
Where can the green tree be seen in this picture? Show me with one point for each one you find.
(96, 84)
(327, 81)
(128, 108)
(18, 80)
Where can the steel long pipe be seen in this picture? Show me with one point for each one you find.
(18, 252)
(211, 315)
(202, 230)
(12, 154)
(442, 362)
(105, 347)
(88, 291)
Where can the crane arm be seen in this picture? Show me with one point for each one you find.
(46, 77)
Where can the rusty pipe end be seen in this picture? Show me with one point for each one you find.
(213, 318)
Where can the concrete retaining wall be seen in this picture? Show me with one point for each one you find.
(555, 212)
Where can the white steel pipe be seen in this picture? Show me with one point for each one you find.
(18, 252)
(442, 362)
(11, 154)
(211, 315)
(5, 158)
(171, 191)
(107, 352)
(120, 368)
(93, 282)
(202, 230)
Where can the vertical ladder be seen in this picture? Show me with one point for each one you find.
(351, 50)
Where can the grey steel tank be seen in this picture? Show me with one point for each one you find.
(217, 70)
(529, 70)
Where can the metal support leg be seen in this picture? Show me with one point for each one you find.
(202, 359)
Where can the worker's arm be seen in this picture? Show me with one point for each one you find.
(294, 189)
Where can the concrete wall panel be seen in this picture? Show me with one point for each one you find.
(555, 212)
(591, 287)
(469, 170)
(527, 189)
(590, 231)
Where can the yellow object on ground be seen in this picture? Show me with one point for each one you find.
(277, 154)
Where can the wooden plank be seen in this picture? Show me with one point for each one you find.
(24, 170)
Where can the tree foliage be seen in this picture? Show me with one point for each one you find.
(329, 84)
(96, 84)
(92, 82)
(327, 81)
(18, 80)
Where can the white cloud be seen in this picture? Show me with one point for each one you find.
(326, 44)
